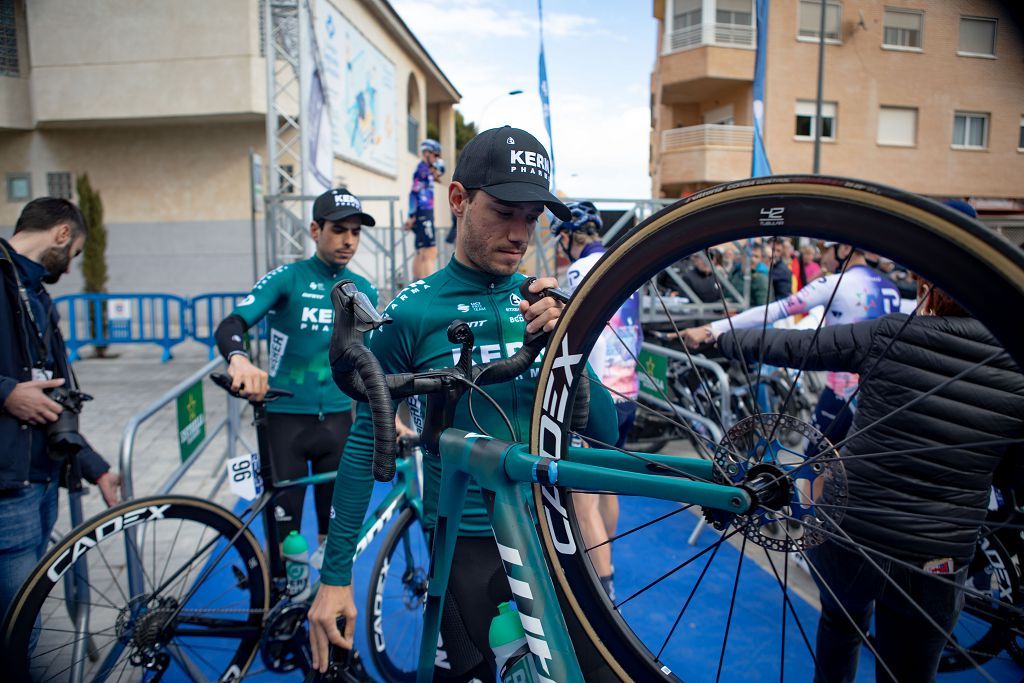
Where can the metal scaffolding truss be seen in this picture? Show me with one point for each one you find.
(285, 226)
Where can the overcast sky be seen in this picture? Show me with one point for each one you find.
(599, 57)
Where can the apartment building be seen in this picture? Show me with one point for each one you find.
(927, 95)
(160, 103)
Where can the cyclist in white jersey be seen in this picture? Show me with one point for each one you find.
(614, 359)
(863, 294)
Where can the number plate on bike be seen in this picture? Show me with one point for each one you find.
(244, 476)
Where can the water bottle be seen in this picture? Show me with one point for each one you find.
(508, 642)
(296, 565)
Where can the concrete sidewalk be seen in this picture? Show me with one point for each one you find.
(125, 384)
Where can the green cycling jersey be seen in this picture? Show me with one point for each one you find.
(296, 299)
(416, 342)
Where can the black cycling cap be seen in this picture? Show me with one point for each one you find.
(511, 165)
(339, 204)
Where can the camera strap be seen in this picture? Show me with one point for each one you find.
(26, 305)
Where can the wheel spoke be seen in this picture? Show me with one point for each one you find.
(732, 606)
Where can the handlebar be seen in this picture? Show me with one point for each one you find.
(358, 374)
(224, 382)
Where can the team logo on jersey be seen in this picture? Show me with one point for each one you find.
(316, 286)
(514, 298)
(247, 301)
(475, 306)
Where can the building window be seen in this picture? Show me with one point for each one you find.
(19, 187)
(977, 36)
(902, 29)
(805, 129)
(8, 40)
(810, 19)
(970, 130)
(734, 22)
(412, 99)
(687, 13)
(59, 185)
(897, 126)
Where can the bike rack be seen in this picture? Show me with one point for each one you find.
(714, 368)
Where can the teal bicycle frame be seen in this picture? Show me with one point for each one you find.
(405, 492)
(507, 471)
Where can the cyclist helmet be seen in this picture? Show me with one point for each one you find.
(430, 145)
(585, 217)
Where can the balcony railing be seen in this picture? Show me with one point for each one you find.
(707, 135)
(725, 35)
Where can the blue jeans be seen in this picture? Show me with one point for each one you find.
(27, 517)
(908, 644)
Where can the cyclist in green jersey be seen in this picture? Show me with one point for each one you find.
(499, 190)
(313, 424)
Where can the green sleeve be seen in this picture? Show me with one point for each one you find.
(352, 490)
(354, 483)
(271, 288)
(602, 421)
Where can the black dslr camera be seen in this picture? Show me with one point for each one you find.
(62, 437)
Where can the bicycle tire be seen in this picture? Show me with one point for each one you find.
(929, 239)
(981, 632)
(394, 609)
(102, 542)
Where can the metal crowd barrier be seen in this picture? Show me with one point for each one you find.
(162, 319)
(91, 319)
(231, 421)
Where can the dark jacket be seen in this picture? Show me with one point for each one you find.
(914, 506)
(781, 279)
(16, 366)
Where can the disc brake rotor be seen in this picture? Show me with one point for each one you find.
(798, 498)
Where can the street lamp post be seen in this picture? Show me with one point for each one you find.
(495, 99)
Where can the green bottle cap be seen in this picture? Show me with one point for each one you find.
(505, 627)
(294, 544)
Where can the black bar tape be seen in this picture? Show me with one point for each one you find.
(375, 384)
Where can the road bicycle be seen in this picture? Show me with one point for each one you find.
(677, 619)
(177, 584)
(991, 623)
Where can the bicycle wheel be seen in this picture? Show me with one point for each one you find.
(395, 601)
(984, 629)
(161, 584)
(704, 614)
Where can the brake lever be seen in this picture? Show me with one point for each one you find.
(555, 293)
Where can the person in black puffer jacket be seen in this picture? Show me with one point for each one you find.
(915, 514)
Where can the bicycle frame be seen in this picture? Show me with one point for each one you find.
(505, 470)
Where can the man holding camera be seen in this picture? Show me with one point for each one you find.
(39, 397)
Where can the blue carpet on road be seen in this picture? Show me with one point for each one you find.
(693, 652)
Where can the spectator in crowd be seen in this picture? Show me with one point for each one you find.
(758, 277)
(809, 264)
(779, 254)
(421, 208)
(924, 513)
(700, 277)
(48, 235)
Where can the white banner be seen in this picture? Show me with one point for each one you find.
(360, 84)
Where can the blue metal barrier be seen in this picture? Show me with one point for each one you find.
(207, 310)
(91, 319)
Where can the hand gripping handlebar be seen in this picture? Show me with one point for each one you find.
(358, 374)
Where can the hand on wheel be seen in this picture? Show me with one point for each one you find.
(330, 603)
